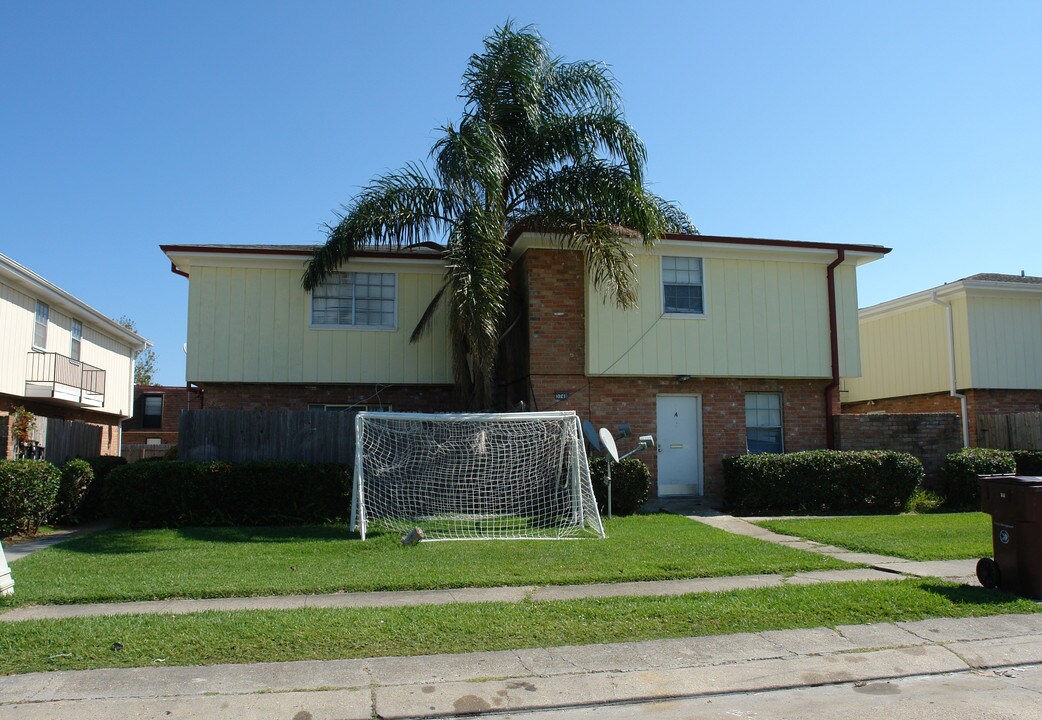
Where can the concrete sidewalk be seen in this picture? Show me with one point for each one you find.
(19, 550)
(551, 678)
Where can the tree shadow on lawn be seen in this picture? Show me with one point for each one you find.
(129, 541)
(969, 595)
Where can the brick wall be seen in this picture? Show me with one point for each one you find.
(610, 401)
(928, 436)
(110, 431)
(259, 396)
(978, 402)
(176, 399)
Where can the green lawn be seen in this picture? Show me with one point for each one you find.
(118, 565)
(316, 634)
(941, 536)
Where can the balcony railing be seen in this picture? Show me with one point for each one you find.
(50, 375)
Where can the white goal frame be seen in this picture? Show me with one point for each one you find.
(460, 476)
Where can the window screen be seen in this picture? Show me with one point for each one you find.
(77, 337)
(153, 414)
(355, 299)
(682, 285)
(763, 423)
(40, 330)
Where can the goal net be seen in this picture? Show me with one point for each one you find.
(473, 477)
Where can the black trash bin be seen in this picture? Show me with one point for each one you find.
(1015, 505)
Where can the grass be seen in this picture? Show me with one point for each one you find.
(942, 536)
(123, 565)
(316, 634)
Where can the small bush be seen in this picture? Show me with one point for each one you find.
(92, 506)
(172, 493)
(962, 468)
(1029, 462)
(28, 489)
(630, 485)
(77, 478)
(923, 501)
(818, 481)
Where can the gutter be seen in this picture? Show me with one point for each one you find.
(953, 387)
(830, 389)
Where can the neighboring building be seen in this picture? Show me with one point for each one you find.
(61, 359)
(979, 338)
(157, 410)
(737, 344)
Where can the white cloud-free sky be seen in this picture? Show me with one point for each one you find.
(126, 125)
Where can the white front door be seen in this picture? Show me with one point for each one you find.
(679, 443)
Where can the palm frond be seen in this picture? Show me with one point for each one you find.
(423, 326)
(580, 86)
(395, 209)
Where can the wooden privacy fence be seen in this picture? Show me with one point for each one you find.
(240, 435)
(1016, 431)
(67, 439)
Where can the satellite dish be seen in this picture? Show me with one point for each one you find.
(591, 436)
(609, 444)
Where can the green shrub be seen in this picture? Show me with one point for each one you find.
(28, 489)
(171, 493)
(77, 478)
(92, 506)
(818, 481)
(962, 468)
(630, 485)
(1029, 462)
(923, 501)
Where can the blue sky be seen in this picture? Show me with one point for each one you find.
(126, 125)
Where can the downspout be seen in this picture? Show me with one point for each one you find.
(830, 273)
(953, 387)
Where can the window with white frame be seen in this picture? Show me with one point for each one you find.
(355, 299)
(318, 407)
(763, 422)
(152, 417)
(682, 286)
(40, 329)
(77, 338)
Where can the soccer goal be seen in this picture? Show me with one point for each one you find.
(484, 476)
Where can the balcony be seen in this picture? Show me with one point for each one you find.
(56, 377)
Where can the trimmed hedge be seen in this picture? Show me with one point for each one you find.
(818, 481)
(77, 478)
(92, 506)
(172, 493)
(28, 489)
(630, 485)
(962, 468)
(1029, 462)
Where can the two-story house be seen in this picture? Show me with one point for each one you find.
(61, 359)
(972, 346)
(737, 344)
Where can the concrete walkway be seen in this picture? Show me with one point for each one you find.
(964, 571)
(20, 550)
(859, 656)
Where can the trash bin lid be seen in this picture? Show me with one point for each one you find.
(1011, 479)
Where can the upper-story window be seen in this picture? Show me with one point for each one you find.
(152, 417)
(355, 299)
(77, 338)
(682, 286)
(40, 329)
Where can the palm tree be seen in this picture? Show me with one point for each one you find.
(542, 145)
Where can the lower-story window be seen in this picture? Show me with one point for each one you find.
(362, 407)
(763, 422)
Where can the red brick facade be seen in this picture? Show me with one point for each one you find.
(978, 402)
(259, 396)
(176, 399)
(546, 354)
(109, 424)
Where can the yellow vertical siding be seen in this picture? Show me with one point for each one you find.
(17, 318)
(902, 353)
(252, 325)
(1005, 338)
(764, 318)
